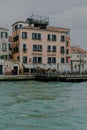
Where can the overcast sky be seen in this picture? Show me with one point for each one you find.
(62, 13)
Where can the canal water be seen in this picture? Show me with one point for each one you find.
(33, 105)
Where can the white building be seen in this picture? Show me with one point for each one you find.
(5, 48)
(78, 59)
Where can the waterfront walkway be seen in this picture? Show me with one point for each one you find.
(62, 78)
(16, 77)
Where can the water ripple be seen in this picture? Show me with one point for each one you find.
(43, 106)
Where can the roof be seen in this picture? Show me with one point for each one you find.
(58, 29)
(19, 22)
(1, 28)
(75, 50)
(49, 28)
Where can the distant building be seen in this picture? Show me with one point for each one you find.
(78, 59)
(5, 48)
(5, 45)
(37, 45)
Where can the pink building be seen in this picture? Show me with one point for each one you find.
(35, 44)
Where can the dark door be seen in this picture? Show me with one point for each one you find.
(1, 69)
(16, 70)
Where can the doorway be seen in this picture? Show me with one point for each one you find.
(1, 69)
(16, 69)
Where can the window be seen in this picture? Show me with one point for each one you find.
(36, 36)
(48, 37)
(16, 49)
(67, 51)
(62, 38)
(25, 59)
(54, 48)
(39, 59)
(16, 27)
(39, 36)
(49, 60)
(9, 46)
(53, 37)
(34, 59)
(4, 34)
(24, 45)
(4, 48)
(62, 50)
(62, 60)
(2, 57)
(49, 48)
(24, 48)
(20, 25)
(37, 47)
(16, 38)
(54, 60)
(24, 35)
(34, 47)
(1, 34)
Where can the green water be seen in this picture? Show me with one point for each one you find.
(32, 105)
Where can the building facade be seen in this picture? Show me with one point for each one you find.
(5, 48)
(37, 45)
(5, 45)
(78, 59)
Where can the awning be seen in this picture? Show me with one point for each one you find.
(28, 66)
